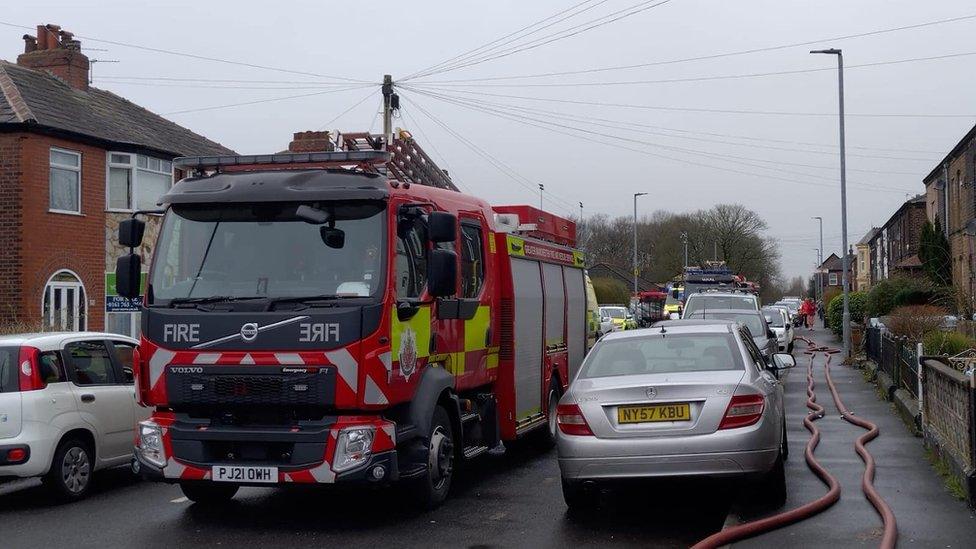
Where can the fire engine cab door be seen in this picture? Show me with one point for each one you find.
(528, 305)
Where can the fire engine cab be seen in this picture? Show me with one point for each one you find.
(314, 318)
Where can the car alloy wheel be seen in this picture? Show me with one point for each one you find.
(75, 470)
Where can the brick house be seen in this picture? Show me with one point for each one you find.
(74, 161)
(950, 197)
(864, 266)
(831, 271)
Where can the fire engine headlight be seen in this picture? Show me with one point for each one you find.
(353, 448)
(151, 443)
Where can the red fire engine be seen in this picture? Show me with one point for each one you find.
(345, 317)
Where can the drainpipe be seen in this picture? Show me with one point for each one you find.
(945, 198)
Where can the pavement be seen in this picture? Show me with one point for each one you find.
(927, 515)
(515, 501)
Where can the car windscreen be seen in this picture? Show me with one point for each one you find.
(658, 353)
(753, 321)
(615, 312)
(9, 380)
(705, 302)
(774, 317)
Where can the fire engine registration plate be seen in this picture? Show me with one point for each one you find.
(656, 412)
(238, 473)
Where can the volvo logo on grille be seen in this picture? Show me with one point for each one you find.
(249, 331)
(187, 370)
(651, 392)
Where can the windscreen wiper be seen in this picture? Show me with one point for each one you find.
(320, 299)
(211, 299)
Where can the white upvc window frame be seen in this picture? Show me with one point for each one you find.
(832, 279)
(134, 169)
(77, 169)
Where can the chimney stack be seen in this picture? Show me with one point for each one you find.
(305, 142)
(56, 51)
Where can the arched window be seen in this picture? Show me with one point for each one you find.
(64, 306)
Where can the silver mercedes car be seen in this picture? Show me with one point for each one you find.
(682, 398)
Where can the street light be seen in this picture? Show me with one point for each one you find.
(541, 188)
(819, 292)
(635, 239)
(845, 262)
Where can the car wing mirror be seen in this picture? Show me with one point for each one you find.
(783, 361)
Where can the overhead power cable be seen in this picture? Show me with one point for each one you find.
(745, 161)
(559, 35)
(346, 111)
(492, 45)
(441, 158)
(725, 54)
(268, 100)
(639, 127)
(506, 170)
(702, 78)
(216, 80)
(706, 110)
(546, 125)
(195, 56)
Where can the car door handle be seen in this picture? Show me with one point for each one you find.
(88, 397)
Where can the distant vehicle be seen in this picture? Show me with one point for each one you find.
(596, 327)
(674, 299)
(754, 321)
(683, 398)
(779, 321)
(67, 407)
(618, 315)
(720, 300)
(715, 275)
(649, 308)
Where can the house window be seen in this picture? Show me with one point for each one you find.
(833, 279)
(65, 181)
(135, 182)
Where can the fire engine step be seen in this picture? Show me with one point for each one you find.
(474, 451)
(470, 416)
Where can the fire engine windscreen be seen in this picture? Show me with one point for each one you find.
(269, 251)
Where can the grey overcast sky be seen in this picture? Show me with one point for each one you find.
(680, 160)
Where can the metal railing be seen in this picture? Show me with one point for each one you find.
(907, 360)
(897, 357)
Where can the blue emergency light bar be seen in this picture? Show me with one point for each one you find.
(337, 157)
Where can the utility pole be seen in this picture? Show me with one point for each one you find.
(541, 189)
(635, 240)
(819, 291)
(388, 107)
(579, 230)
(684, 238)
(715, 250)
(845, 263)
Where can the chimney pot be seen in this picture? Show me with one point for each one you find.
(42, 37)
(30, 43)
(58, 53)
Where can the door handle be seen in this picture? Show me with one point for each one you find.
(87, 397)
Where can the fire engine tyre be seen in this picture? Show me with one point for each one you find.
(430, 489)
(208, 492)
(549, 436)
(70, 476)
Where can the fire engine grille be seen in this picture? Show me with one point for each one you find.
(214, 387)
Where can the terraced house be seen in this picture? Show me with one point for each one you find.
(74, 161)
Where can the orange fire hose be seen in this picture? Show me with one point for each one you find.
(805, 511)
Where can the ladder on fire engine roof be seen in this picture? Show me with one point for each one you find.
(408, 160)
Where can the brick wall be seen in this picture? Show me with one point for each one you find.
(11, 261)
(51, 241)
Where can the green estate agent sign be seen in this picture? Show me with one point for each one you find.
(114, 303)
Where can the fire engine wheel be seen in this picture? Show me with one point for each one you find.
(430, 490)
(553, 402)
(208, 492)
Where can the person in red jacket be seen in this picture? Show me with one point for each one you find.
(808, 310)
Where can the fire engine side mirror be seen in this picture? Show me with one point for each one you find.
(131, 231)
(128, 275)
(442, 273)
(442, 227)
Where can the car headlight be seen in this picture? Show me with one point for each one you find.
(151, 443)
(353, 448)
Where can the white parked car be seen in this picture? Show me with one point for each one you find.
(67, 407)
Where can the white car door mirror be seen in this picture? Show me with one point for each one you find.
(783, 361)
